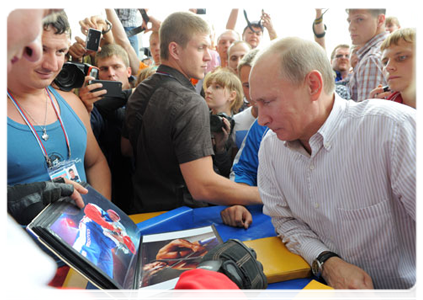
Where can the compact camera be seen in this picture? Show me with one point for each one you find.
(93, 39)
(216, 122)
(73, 75)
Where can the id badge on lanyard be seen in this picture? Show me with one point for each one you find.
(66, 169)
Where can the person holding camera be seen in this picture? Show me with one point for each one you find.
(224, 97)
(49, 130)
(167, 127)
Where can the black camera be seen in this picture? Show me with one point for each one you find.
(73, 75)
(216, 122)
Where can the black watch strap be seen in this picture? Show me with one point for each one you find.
(324, 256)
(317, 266)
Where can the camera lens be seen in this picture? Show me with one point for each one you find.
(216, 123)
(70, 77)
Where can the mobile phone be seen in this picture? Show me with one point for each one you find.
(114, 88)
(386, 88)
(93, 39)
(144, 15)
(139, 29)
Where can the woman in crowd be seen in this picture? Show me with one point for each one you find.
(224, 97)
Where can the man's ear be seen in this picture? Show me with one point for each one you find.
(314, 82)
(381, 20)
(174, 50)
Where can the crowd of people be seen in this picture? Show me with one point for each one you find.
(326, 143)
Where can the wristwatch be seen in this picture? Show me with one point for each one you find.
(317, 265)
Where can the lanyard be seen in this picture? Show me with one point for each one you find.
(34, 132)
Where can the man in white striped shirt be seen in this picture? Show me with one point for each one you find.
(338, 178)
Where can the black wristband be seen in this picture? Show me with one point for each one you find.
(110, 26)
(321, 34)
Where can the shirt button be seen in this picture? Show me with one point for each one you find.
(316, 205)
(311, 167)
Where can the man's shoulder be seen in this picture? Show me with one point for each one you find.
(381, 108)
(243, 114)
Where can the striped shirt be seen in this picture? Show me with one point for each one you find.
(354, 195)
(368, 73)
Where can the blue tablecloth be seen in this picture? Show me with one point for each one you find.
(186, 218)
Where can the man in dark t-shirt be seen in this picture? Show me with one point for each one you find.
(167, 127)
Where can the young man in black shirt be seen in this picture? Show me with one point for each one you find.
(168, 127)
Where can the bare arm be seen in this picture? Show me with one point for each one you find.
(96, 167)
(319, 28)
(121, 39)
(205, 185)
(232, 19)
(267, 23)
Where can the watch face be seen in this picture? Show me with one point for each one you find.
(315, 268)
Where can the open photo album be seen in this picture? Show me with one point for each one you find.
(105, 246)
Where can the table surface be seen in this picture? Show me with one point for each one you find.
(185, 218)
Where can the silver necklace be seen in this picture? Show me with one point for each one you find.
(44, 136)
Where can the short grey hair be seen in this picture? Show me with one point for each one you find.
(297, 58)
(248, 58)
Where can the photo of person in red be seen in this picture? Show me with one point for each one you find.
(99, 232)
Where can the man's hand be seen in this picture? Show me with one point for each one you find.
(236, 216)
(342, 275)
(87, 96)
(267, 23)
(155, 24)
(379, 93)
(77, 191)
(178, 248)
(96, 22)
(25, 201)
(78, 49)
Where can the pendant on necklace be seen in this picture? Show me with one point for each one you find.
(45, 135)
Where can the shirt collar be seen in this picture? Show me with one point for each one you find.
(181, 78)
(373, 42)
(331, 125)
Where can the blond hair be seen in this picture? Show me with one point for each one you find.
(225, 78)
(109, 50)
(144, 74)
(406, 34)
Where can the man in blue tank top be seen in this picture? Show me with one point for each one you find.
(49, 130)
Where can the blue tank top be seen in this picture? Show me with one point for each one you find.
(25, 160)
